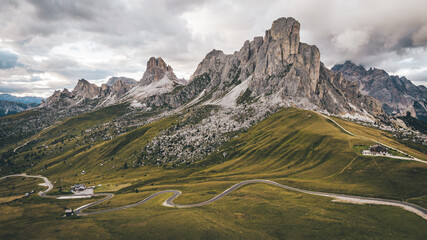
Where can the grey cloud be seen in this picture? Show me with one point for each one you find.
(183, 31)
(88, 74)
(8, 60)
(13, 89)
(57, 9)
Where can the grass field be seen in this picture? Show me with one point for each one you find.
(412, 148)
(17, 186)
(294, 147)
(255, 211)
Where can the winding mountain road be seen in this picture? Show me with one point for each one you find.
(420, 211)
(41, 193)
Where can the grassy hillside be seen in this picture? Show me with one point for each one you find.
(253, 212)
(69, 136)
(297, 147)
(10, 122)
(306, 150)
(74, 125)
(417, 150)
(294, 147)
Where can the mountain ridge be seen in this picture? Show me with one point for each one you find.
(397, 94)
(280, 68)
(274, 69)
(10, 107)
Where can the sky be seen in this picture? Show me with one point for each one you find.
(46, 45)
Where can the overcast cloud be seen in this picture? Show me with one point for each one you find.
(49, 44)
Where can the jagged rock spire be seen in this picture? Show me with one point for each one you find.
(279, 66)
(156, 70)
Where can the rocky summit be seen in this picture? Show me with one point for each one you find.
(156, 70)
(278, 68)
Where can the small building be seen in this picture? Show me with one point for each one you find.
(376, 150)
(69, 212)
(78, 188)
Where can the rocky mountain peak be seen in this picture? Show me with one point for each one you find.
(286, 31)
(375, 72)
(278, 68)
(267, 60)
(353, 70)
(397, 94)
(285, 27)
(158, 63)
(349, 66)
(84, 89)
(156, 70)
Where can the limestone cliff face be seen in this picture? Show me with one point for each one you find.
(156, 70)
(85, 90)
(278, 65)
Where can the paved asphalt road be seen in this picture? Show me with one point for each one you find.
(422, 212)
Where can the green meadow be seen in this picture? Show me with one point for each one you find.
(295, 147)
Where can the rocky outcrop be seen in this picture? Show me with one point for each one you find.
(84, 92)
(280, 68)
(59, 100)
(397, 94)
(156, 70)
(112, 94)
(180, 95)
(158, 79)
(126, 80)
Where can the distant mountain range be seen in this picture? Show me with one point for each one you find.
(397, 94)
(11, 98)
(10, 104)
(8, 107)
